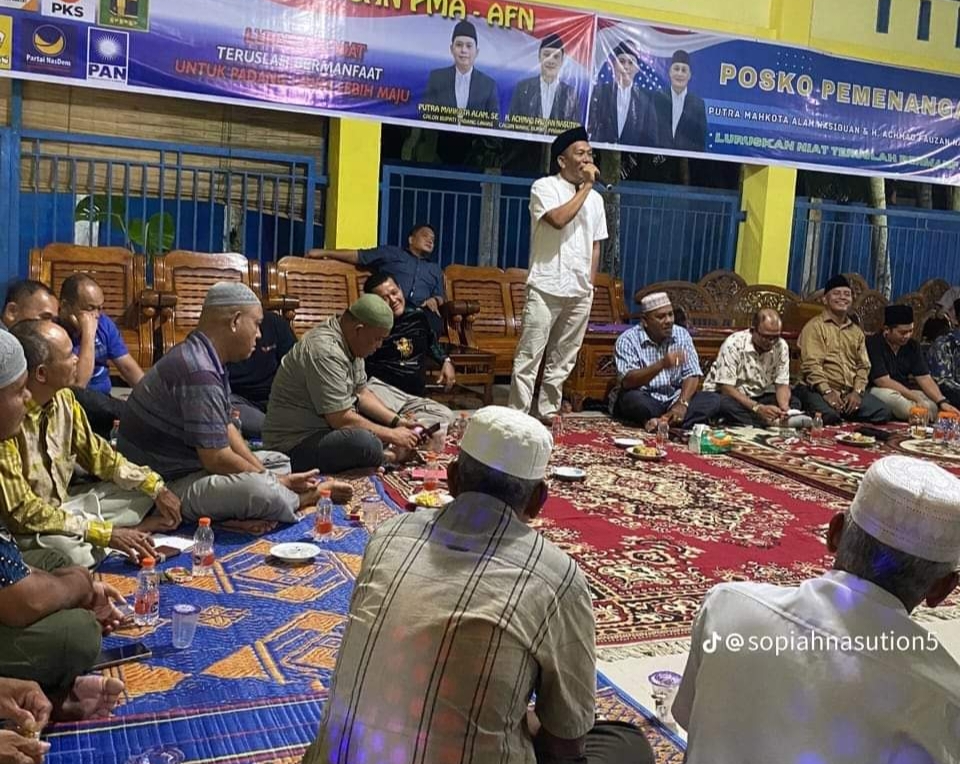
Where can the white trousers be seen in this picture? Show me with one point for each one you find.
(900, 405)
(553, 326)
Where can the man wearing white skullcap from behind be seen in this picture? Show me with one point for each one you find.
(459, 613)
(835, 670)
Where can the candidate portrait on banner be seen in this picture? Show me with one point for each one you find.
(546, 100)
(462, 85)
(681, 115)
(620, 110)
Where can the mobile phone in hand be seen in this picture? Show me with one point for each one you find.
(118, 656)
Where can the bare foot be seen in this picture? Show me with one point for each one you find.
(340, 493)
(92, 697)
(253, 527)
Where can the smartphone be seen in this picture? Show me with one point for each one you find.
(163, 553)
(429, 432)
(118, 656)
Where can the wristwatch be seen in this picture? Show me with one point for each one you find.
(755, 409)
(940, 402)
(395, 421)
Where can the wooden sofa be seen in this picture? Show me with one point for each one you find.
(327, 287)
(121, 275)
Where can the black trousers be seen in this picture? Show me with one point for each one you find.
(871, 410)
(337, 451)
(638, 407)
(611, 743)
(100, 409)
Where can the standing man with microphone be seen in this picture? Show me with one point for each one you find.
(568, 223)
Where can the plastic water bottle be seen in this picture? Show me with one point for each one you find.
(203, 554)
(235, 420)
(323, 524)
(459, 426)
(146, 603)
(115, 434)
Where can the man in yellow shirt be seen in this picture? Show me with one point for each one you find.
(37, 503)
(834, 363)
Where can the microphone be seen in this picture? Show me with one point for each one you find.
(599, 184)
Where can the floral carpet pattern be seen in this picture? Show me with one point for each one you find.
(652, 538)
(830, 466)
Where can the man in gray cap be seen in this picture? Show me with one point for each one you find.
(836, 669)
(178, 422)
(568, 223)
(37, 502)
(658, 373)
(50, 622)
(325, 412)
(460, 615)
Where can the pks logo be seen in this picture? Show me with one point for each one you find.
(77, 10)
(108, 55)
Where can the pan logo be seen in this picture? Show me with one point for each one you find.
(108, 55)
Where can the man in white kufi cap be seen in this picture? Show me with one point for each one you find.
(836, 669)
(459, 613)
(658, 373)
(178, 422)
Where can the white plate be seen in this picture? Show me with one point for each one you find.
(627, 442)
(295, 552)
(844, 437)
(415, 499)
(569, 473)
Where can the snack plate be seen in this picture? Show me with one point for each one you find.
(295, 552)
(569, 473)
(646, 457)
(847, 440)
(627, 442)
(421, 499)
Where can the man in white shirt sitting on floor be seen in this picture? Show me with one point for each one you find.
(835, 670)
(459, 615)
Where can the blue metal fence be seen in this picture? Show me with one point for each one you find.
(666, 232)
(262, 204)
(832, 238)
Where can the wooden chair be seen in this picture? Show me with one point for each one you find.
(121, 275)
(869, 310)
(500, 296)
(700, 308)
(916, 301)
(608, 306)
(189, 276)
(858, 285)
(722, 286)
(324, 288)
(752, 298)
(932, 290)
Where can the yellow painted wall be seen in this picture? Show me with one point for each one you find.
(849, 28)
(353, 193)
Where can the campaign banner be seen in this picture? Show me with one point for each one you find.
(695, 93)
(457, 64)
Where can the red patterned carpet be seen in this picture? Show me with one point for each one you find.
(653, 538)
(830, 466)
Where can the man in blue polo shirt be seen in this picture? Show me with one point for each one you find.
(96, 343)
(419, 277)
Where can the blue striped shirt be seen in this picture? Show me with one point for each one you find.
(635, 350)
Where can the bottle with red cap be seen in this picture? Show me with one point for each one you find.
(146, 602)
(203, 554)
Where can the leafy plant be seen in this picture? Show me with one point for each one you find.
(153, 237)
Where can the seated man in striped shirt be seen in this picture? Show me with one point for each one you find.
(659, 373)
(178, 422)
(460, 615)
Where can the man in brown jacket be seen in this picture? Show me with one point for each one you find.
(835, 365)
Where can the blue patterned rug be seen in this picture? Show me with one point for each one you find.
(252, 685)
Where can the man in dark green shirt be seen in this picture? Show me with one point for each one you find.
(402, 358)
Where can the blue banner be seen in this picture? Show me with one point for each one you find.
(693, 93)
(503, 68)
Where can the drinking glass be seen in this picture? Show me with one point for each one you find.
(370, 508)
(185, 619)
(663, 687)
(160, 755)
(323, 522)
